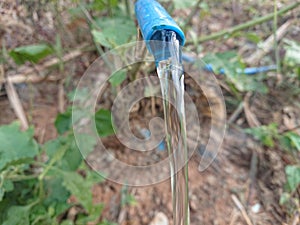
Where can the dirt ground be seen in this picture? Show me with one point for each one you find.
(246, 180)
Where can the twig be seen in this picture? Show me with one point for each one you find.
(268, 44)
(60, 97)
(243, 26)
(234, 216)
(289, 129)
(24, 76)
(236, 113)
(16, 104)
(242, 209)
(91, 23)
(1, 75)
(276, 38)
(252, 175)
(122, 215)
(52, 62)
(250, 117)
(21, 77)
(296, 219)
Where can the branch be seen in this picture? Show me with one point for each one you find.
(267, 45)
(243, 26)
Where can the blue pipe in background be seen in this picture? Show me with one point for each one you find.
(153, 19)
(247, 71)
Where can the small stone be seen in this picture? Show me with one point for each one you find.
(160, 219)
(255, 208)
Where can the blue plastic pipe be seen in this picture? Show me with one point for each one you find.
(153, 19)
(247, 71)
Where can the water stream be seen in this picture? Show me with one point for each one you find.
(170, 72)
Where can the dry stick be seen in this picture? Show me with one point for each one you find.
(21, 77)
(252, 175)
(276, 39)
(54, 61)
(234, 216)
(289, 129)
(236, 113)
(296, 219)
(15, 101)
(250, 117)
(1, 75)
(243, 26)
(242, 209)
(268, 44)
(60, 96)
(16, 104)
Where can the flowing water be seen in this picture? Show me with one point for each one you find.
(170, 72)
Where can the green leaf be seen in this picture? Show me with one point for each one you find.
(265, 134)
(118, 77)
(102, 4)
(16, 145)
(72, 157)
(55, 191)
(67, 222)
(284, 198)
(94, 177)
(293, 177)
(230, 63)
(80, 95)
(85, 143)
(2, 192)
(92, 216)
(253, 37)
(17, 215)
(179, 4)
(7, 186)
(56, 196)
(114, 31)
(294, 139)
(106, 222)
(63, 121)
(292, 55)
(100, 38)
(129, 199)
(31, 53)
(104, 123)
(81, 189)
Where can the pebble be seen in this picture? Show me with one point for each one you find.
(255, 208)
(160, 219)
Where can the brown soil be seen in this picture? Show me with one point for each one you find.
(243, 170)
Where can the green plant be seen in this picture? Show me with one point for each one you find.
(36, 191)
(266, 134)
(290, 141)
(32, 53)
(231, 65)
(126, 197)
(292, 57)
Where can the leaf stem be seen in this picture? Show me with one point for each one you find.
(275, 24)
(243, 26)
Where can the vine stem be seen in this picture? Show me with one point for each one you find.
(275, 27)
(243, 26)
